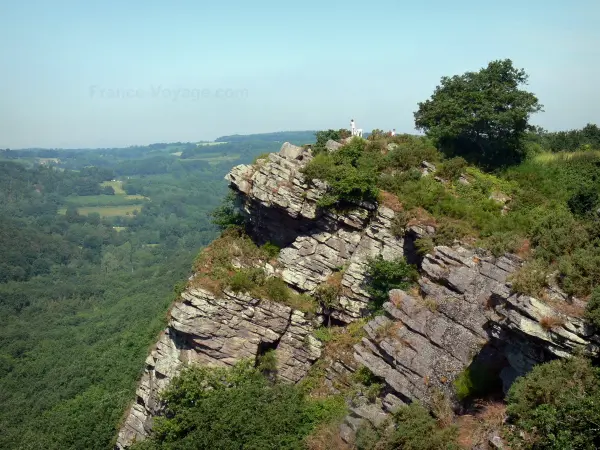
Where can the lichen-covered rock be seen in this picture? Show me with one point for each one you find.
(218, 331)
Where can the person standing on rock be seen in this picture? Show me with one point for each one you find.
(393, 132)
(353, 127)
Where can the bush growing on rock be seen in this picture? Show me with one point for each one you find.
(349, 172)
(557, 405)
(414, 429)
(235, 408)
(386, 275)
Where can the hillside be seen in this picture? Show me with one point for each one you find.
(395, 292)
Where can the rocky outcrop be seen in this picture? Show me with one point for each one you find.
(463, 313)
(282, 208)
(219, 331)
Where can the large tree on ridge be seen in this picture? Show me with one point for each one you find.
(481, 116)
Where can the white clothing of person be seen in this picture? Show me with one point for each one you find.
(353, 127)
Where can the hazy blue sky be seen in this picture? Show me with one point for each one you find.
(114, 73)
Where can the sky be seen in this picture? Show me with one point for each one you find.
(81, 74)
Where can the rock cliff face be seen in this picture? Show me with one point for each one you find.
(219, 331)
(463, 311)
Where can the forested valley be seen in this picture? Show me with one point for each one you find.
(93, 245)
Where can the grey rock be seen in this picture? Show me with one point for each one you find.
(291, 151)
(332, 145)
(465, 306)
(218, 332)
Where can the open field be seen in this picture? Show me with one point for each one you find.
(107, 211)
(105, 200)
(116, 185)
(213, 158)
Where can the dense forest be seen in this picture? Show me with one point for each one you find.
(93, 244)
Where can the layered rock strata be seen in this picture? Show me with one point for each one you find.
(464, 312)
(218, 331)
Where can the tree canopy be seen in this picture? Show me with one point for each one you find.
(481, 116)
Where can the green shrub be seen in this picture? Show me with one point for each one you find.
(324, 334)
(215, 408)
(558, 405)
(424, 246)
(502, 242)
(592, 309)
(277, 290)
(415, 429)
(580, 270)
(452, 169)
(363, 375)
(323, 136)
(410, 152)
(399, 223)
(271, 250)
(583, 201)
(327, 295)
(350, 173)
(241, 281)
(449, 230)
(530, 278)
(557, 233)
(267, 362)
(383, 276)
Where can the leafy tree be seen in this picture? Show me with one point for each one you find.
(323, 136)
(482, 116)
(558, 406)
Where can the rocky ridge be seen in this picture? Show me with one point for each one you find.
(463, 311)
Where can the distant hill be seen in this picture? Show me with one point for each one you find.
(295, 137)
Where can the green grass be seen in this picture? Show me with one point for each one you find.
(214, 158)
(105, 200)
(116, 185)
(548, 157)
(107, 211)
